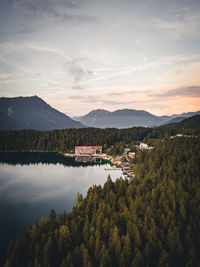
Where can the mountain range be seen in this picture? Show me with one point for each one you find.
(188, 123)
(126, 118)
(34, 113)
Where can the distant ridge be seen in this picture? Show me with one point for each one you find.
(32, 113)
(174, 120)
(126, 118)
(188, 123)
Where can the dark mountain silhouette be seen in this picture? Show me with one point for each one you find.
(32, 113)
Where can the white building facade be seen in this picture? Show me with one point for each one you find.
(88, 150)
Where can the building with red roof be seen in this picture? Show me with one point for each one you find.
(88, 150)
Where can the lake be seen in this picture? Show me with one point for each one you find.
(32, 183)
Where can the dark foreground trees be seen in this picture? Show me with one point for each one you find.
(153, 220)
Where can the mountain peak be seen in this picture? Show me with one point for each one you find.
(124, 118)
(121, 118)
(132, 112)
(32, 113)
(98, 112)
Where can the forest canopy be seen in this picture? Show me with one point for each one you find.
(151, 220)
(66, 140)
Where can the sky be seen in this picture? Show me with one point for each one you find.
(80, 55)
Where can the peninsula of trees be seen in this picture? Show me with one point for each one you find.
(151, 220)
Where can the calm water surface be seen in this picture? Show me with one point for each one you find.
(31, 184)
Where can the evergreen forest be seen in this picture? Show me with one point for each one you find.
(150, 220)
(66, 140)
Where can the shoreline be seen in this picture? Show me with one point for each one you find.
(129, 172)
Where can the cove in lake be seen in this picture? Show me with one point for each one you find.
(32, 183)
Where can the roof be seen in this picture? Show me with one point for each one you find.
(124, 164)
(94, 147)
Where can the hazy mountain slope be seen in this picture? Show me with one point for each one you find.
(32, 113)
(188, 123)
(175, 120)
(187, 114)
(94, 118)
(124, 118)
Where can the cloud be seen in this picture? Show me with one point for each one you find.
(17, 47)
(22, 29)
(143, 99)
(59, 9)
(77, 73)
(4, 76)
(78, 18)
(104, 99)
(183, 24)
(190, 91)
(43, 5)
(186, 65)
(77, 87)
(128, 93)
(20, 67)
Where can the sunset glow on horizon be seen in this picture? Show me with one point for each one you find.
(84, 55)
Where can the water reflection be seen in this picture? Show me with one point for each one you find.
(31, 184)
(27, 158)
(88, 160)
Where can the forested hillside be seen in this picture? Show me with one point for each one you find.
(188, 123)
(153, 220)
(66, 140)
(187, 126)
